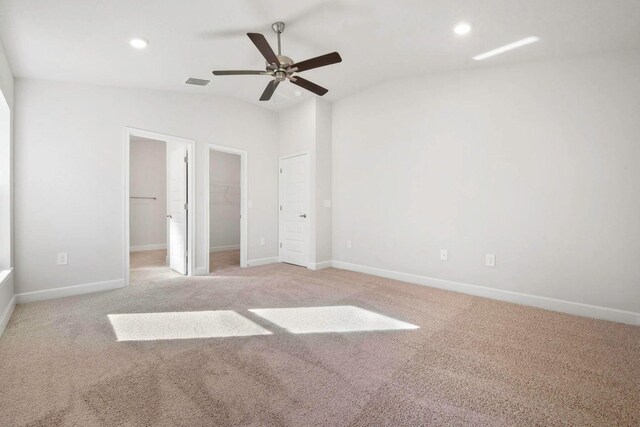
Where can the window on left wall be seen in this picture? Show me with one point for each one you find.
(5, 184)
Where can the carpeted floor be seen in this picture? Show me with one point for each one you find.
(472, 361)
(219, 262)
(151, 266)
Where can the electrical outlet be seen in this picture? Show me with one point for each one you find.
(62, 258)
(490, 260)
(444, 254)
(262, 241)
(348, 244)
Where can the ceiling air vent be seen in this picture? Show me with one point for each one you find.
(197, 82)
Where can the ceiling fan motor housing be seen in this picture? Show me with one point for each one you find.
(285, 61)
(280, 73)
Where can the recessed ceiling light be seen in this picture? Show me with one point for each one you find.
(297, 93)
(462, 28)
(139, 43)
(506, 48)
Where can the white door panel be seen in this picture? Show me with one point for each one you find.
(177, 201)
(294, 210)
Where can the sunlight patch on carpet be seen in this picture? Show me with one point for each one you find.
(307, 320)
(183, 325)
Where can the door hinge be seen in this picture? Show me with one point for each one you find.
(280, 244)
(186, 206)
(280, 207)
(280, 170)
(186, 159)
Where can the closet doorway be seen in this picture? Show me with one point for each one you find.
(226, 207)
(159, 207)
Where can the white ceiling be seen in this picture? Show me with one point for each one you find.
(87, 40)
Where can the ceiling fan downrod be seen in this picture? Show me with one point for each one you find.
(278, 28)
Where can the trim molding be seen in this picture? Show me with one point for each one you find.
(6, 314)
(224, 248)
(7, 310)
(67, 291)
(191, 178)
(319, 265)
(563, 306)
(148, 247)
(262, 261)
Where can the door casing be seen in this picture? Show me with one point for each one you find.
(244, 218)
(190, 144)
(310, 214)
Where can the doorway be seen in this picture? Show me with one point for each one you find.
(294, 209)
(226, 208)
(159, 214)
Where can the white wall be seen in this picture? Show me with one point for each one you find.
(306, 127)
(148, 178)
(224, 197)
(323, 172)
(7, 301)
(69, 193)
(537, 163)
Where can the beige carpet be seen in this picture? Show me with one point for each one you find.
(473, 360)
(219, 262)
(151, 266)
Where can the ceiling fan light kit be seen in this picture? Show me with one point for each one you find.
(281, 67)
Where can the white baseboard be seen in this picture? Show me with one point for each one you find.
(319, 265)
(148, 247)
(224, 248)
(67, 291)
(6, 314)
(262, 261)
(9, 299)
(563, 306)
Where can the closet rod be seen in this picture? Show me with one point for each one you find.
(150, 198)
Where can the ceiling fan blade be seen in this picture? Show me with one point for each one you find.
(239, 73)
(318, 61)
(263, 46)
(310, 86)
(268, 91)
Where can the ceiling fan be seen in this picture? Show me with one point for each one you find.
(282, 67)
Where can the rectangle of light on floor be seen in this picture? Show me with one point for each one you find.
(183, 325)
(306, 320)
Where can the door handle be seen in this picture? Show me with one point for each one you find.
(303, 216)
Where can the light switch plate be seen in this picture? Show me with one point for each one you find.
(262, 241)
(444, 254)
(327, 203)
(348, 244)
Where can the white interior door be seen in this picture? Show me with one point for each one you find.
(177, 205)
(294, 210)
